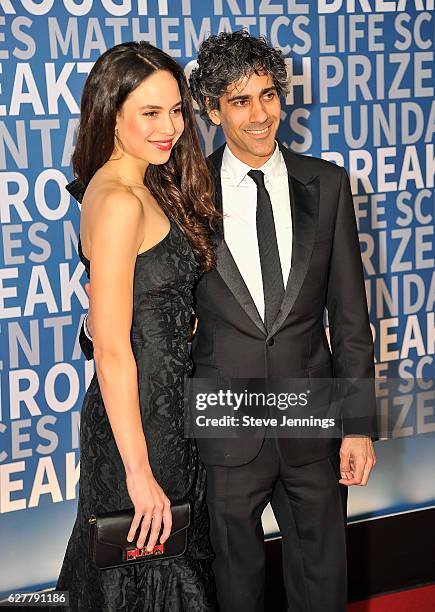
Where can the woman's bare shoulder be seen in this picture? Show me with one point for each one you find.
(106, 192)
(111, 210)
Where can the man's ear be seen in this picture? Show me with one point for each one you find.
(213, 113)
(214, 116)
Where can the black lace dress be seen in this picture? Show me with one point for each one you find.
(163, 282)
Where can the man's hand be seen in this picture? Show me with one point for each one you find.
(89, 319)
(357, 457)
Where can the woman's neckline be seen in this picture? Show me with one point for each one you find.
(141, 254)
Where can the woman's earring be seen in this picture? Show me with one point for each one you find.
(118, 143)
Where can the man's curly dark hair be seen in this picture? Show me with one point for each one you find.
(226, 58)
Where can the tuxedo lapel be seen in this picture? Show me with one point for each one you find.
(230, 274)
(225, 264)
(304, 202)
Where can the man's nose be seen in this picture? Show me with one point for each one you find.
(258, 112)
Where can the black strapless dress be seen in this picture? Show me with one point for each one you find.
(163, 283)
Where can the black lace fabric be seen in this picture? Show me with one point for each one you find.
(163, 283)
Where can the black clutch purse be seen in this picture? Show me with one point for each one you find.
(108, 545)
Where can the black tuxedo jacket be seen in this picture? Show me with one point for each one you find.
(326, 270)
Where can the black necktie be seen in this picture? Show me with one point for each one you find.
(273, 284)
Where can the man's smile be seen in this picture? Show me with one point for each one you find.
(261, 132)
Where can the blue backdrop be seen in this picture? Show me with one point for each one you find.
(362, 96)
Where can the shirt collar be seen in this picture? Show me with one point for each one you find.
(236, 170)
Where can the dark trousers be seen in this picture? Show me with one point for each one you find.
(310, 507)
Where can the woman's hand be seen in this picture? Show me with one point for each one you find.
(151, 503)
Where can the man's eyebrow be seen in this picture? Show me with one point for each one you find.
(240, 97)
(268, 90)
(247, 97)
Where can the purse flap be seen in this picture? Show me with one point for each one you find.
(112, 527)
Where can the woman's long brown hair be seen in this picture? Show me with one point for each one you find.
(182, 186)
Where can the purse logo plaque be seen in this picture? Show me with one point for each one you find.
(136, 553)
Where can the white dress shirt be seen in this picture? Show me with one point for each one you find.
(239, 202)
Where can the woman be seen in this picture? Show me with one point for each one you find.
(144, 238)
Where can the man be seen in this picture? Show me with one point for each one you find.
(286, 249)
